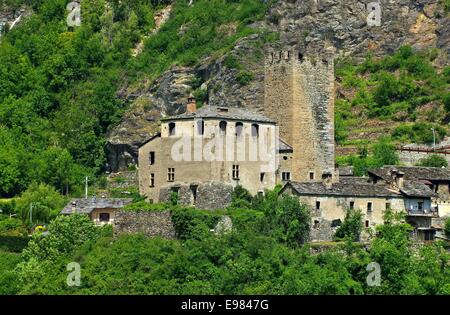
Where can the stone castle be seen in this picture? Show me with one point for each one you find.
(299, 95)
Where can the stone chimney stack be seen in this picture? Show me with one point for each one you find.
(399, 178)
(191, 107)
(327, 180)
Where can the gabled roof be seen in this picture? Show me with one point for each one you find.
(283, 146)
(350, 186)
(231, 113)
(412, 188)
(150, 139)
(413, 172)
(86, 206)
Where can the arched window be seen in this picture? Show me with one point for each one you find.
(255, 130)
(239, 129)
(223, 127)
(200, 127)
(171, 129)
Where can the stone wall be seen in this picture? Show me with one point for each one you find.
(149, 223)
(210, 196)
(412, 158)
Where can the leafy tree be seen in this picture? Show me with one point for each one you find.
(433, 160)
(447, 227)
(384, 152)
(351, 226)
(46, 202)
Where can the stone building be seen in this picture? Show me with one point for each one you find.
(100, 210)
(330, 201)
(299, 96)
(202, 154)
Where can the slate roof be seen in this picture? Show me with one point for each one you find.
(86, 206)
(283, 146)
(232, 113)
(345, 170)
(351, 186)
(413, 172)
(412, 188)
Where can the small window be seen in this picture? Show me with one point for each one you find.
(171, 174)
(311, 175)
(336, 223)
(367, 223)
(285, 176)
(388, 205)
(239, 128)
(285, 157)
(352, 205)
(201, 127)
(223, 127)
(420, 205)
(194, 194)
(235, 171)
(261, 177)
(152, 180)
(171, 129)
(150, 201)
(317, 205)
(255, 130)
(316, 224)
(300, 56)
(151, 158)
(369, 207)
(104, 217)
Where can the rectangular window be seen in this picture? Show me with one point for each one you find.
(170, 174)
(151, 158)
(367, 223)
(285, 176)
(235, 171)
(369, 207)
(352, 205)
(194, 194)
(388, 205)
(317, 205)
(311, 175)
(152, 180)
(261, 177)
(420, 206)
(104, 217)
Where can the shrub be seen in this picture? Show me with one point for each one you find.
(433, 160)
(244, 77)
(351, 226)
(447, 227)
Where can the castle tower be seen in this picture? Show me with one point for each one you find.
(299, 95)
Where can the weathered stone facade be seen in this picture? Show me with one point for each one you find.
(299, 95)
(150, 223)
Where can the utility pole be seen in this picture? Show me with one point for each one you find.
(434, 139)
(86, 189)
(31, 213)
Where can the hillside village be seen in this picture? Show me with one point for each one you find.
(216, 147)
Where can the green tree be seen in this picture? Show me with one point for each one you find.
(433, 160)
(384, 152)
(351, 226)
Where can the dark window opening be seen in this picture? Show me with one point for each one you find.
(285, 176)
(369, 207)
(317, 205)
(200, 127)
(152, 158)
(152, 180)
(367, 223)
(261, 177)
(311, 175)
(336, 223)
(352, 205)
(285, 157)
(171, 174)
(420, 206)
(300, 56)
(388, 205)
(235, 172)
(223, 127)
(316, 224)
(255, 130)
(239, 128)
(104, 217)
(171, 129)
(194, 194)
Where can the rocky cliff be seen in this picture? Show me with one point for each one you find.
(306, 24)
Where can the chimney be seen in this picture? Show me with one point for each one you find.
(191, 107)
(400, 179)
(327, 180)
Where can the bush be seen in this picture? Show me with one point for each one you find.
(447, 227)
(433, 160)
(419, 133)
(351, 227)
